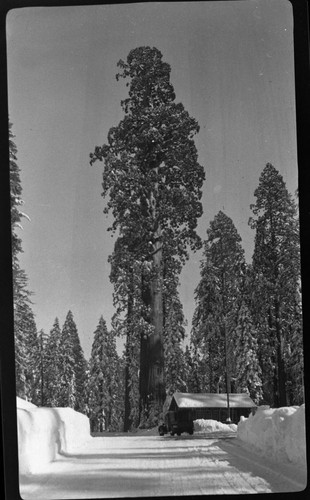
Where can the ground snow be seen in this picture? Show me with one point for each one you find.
(276, 433)
(43, 433)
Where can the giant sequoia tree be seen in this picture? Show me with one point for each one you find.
(276, 287)
(154, 181)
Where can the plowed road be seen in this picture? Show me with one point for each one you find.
(148, 466)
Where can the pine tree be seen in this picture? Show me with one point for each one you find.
(248, 371)
(53, 368)
(154, 181)
(276, 282)
(103, 384)
(119, 409)
(217, 297)
(192, 362)
(16, 200)
(174, 331)
(42, 389)
(207, 339)
(294, 359)
(26, 351)
(25, 333)
(79, 365)
(68, 383)
(21, 310)
(129, 321)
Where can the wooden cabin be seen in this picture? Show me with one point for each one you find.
(210, 406)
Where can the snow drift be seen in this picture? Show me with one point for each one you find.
(202, 425)
(45, 432)
(276, 433)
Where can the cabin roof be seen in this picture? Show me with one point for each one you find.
(210, 400)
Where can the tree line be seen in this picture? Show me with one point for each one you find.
(247, 321)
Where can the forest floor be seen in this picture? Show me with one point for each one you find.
(146, 465)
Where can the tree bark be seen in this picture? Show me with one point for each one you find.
(127, 419)
(281, 379)
(156, 352)
(152, 350)
(144, 355)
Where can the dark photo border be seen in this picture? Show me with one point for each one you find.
(10, 488)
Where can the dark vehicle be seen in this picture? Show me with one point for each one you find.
(177, 422)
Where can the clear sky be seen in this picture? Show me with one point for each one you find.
(232, 68)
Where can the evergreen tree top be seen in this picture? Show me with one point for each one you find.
(152, 175)
(223, 246)
(56, 324)
(150, 79)
(272, 195)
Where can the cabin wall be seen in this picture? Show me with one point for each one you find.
(219, 414)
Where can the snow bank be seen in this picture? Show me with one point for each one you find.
(21, 403)
(45, 432)
(277, 433)
(202, 425)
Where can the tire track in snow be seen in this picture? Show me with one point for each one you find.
(232, 481)
(140, 466)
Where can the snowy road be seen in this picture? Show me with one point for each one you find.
(136, 466)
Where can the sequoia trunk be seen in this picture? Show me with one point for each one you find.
(281, 379)
(156, 388)
(127, 418)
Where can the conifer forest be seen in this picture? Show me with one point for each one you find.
(246, 333)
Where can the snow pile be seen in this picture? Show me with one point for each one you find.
(45, 432)
(202, 425)
(277, 433)
(22, 403)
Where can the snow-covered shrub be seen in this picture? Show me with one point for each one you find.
(277, 433)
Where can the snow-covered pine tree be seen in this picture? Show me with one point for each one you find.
(21, 310)
(42, 369)
(68, 386)
(129, 320)
(32, 373)
(247, 371)
(207, 342)
(16, 200)
(119, 410)
(174, 331)
(25, 332)
(79, 364)
(276, 281)
(103, 385)
(53, 369)
(217, 297)
(192, 362)
(27, 352)
(294, 359)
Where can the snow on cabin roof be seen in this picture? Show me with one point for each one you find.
(210, 400)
